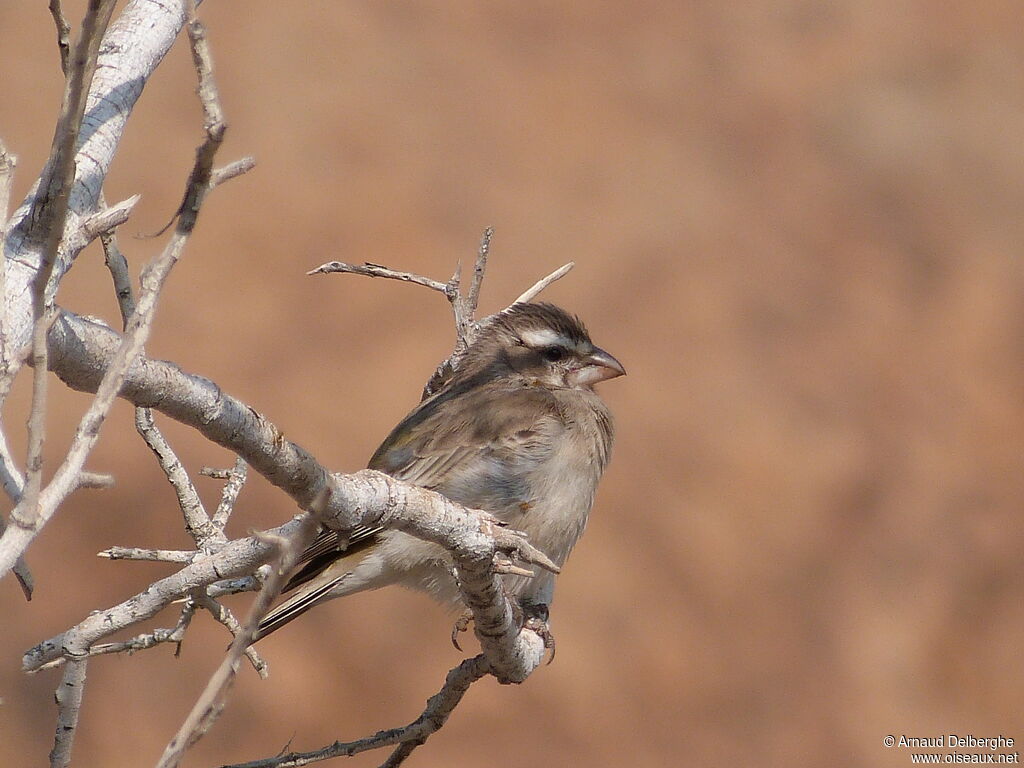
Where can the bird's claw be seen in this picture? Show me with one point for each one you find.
(461, 625)
(536, 620)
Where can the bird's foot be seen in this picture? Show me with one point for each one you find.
(536, 620)
(461, 625)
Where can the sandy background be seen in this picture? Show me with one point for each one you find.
(799, 226)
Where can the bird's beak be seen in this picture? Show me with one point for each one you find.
(595, 367)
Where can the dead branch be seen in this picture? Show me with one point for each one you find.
(69, 704)
(434, 716)
(210, 703)
(46, 221)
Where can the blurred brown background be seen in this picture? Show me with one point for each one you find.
(798, 224)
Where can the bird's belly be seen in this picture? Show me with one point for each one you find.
(551, 507)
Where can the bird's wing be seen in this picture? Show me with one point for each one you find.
(474, 444)
(475, 448)
(327, 547)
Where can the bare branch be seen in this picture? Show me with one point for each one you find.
(8, 163)
(209, 705)
(199, 182)
(235, 480)
(133, 47)
(215, 473)
(9, 365)
(151, 555)
(63, 29)
(376, 270)
(234, 586)
(46, 225)
(368, 497)
(69, 704)
(118, 268)
(13, 485)
(197, 522)
(225, 617)
(465, 305)
(140, 642)
(232, 170)
(94, 480)
(435, 715)
(473, 299)
(531, 293)
(106, 220)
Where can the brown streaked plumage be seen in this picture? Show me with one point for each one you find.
(517, 430)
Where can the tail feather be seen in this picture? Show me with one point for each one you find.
(295, 606)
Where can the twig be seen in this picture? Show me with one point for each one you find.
(200, 181)
(150, 555)
(62, 34)
(106, 220)
(439, 708)
(215, 473)
(531, 293)
(234, 586)
(225, 617)
(69, 704)
(229, 495)
(232, 170)
(14, 485)
(8, 367)
(47, 218)
(473, 299)
(94, 480)
(140, 642)
(197, 522)
(376, 270)
(464, 305)
(118, 268)
(210, 703)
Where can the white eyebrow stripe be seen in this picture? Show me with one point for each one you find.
(543, 337)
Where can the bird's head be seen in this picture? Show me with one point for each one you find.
(544, 344)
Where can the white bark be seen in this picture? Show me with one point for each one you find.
(133, 47)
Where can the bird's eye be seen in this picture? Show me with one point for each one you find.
(553, 354)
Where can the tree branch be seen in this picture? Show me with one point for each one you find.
(133, 47)
(531, 293)
(435, 715)
(69, 704)
(209, 705)
(376, 270)
(46, 221)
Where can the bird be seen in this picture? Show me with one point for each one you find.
(516, 430)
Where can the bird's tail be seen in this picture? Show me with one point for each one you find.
(296, 605)
(320, 580)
